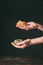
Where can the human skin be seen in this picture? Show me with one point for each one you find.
(37, 40)
(31, 25)
(29, 42)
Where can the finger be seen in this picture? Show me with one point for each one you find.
(24, 27)
(23, 42)
(15, 45)
(28, 23)
(28, 27)
(22, 46)
(20, 27)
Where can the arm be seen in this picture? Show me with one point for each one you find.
(37, 40)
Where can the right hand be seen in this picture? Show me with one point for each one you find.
(29, 26)
(22, 44)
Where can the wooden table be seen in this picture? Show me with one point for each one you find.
(20, 61)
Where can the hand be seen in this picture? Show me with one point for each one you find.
(29, 26)
(22, 44)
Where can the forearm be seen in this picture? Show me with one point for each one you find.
(37, 40)
(40, 27)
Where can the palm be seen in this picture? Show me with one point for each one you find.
(22, 44)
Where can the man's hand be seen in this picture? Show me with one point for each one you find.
(29, 26)
(22, 44)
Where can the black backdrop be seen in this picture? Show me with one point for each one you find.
(11, 12)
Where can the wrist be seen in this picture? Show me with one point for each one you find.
(34, 41)
(30, 42)
(39, 27)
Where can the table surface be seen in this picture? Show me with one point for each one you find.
(20, 61)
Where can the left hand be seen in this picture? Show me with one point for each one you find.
(22, 44)
(28, 26)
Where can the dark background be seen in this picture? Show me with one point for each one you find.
(11, 12)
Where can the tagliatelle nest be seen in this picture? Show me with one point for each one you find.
(21, 23)
(16, 41)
